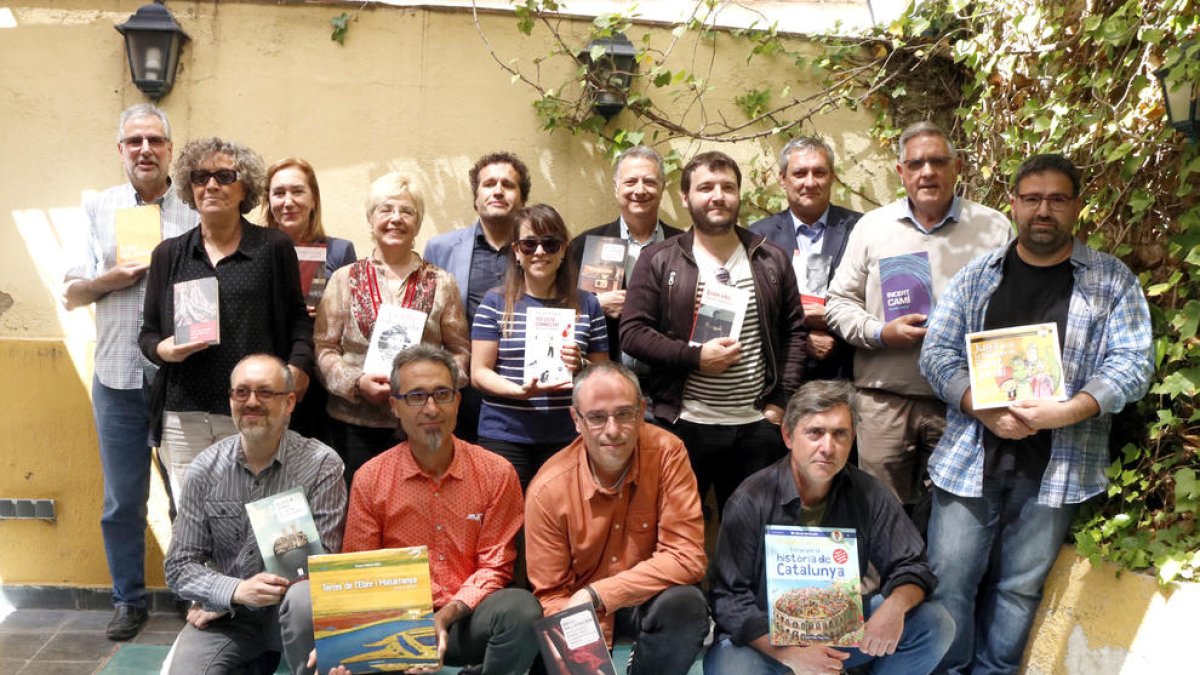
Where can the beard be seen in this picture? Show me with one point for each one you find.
(434, 438)
(1044, 240)
(706, 225)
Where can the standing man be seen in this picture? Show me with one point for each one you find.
(240, 613)
(901, 419)
(1007, 481)
(477, 256)
(811, 225)
(120, 385)
(724, 398)
(638, 184)
(613, 520)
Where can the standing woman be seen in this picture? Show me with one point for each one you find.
(361, 423)
(258, 296)
(524, 420)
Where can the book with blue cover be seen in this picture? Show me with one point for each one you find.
(814, 593)
(906, 285)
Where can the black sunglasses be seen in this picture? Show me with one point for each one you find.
(529, 246)
(223, 176)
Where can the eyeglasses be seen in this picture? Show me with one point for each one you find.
(935, 162)
(1056, 202)
(529, 246)
(389, 210)
(242, 394)
(223, 176)
(136, 142)
(416, 399)
(598, 419)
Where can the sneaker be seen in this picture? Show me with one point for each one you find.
(127, 621)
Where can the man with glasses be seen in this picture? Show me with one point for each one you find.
(461, 501)
(613, 520)
(241, 615)
(901, 419)
(96, 273)
(1007, 481)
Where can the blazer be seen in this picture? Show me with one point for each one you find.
(452, 252)
(338, 254)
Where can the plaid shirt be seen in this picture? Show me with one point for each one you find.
(119, 362)
(1107, 353)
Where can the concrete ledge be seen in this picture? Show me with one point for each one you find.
(74, 597)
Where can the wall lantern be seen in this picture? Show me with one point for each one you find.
(610, 73)
(152, 42)
(1180, 96)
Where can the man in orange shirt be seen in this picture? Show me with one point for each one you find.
(462, 502)
(614, 520)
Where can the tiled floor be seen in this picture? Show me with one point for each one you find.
(70, 642)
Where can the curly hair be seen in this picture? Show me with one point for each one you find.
(523, 180)
(251, 170)
(314, 231)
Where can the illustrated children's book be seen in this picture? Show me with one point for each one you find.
(1021, 363)
(906, 282)
(573, 644)
(603, 265)
(547, 331)
(286, 533)
(814, 593)
(396, 329)
(197, 311)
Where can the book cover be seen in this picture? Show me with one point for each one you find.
(603, 265)
(312, 272)
(286, 533)
(373, 610)
(138, 230)
(1015, 364)
(906, 283)
(197, 311)
(573, 644)
(814, 594)
(720, 314)
(547, 331)
(813, 271)
(396, 329)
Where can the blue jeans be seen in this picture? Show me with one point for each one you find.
(928, 631)
(999, 548)
(122, 425)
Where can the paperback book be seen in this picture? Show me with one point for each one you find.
(138, 230)
(396, 329)
(603, 265)
(720, 314)
(373, 610)
(547, 331)
(906, 283)
(573, 644)
(814, 593)
(1009, 365)
(286, 533)
(312, 273)
(197, 311)
(813, 272)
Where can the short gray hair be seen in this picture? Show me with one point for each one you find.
(817, 396)
(142, 110)
(613, 367)
(395, 184)
(804, 144)
(640, 152)
(422, 352)
(923, 128)
(289, 381)
(251, 170)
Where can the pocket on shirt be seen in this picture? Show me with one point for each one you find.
(226, 520)
(643, 532)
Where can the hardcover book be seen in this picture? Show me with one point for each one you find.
(813, 271)
(373, 610)
(547, 331)
(906, 283)
(814, 594)
(286, 534)
(312, 272)
(573, 644)
(1009, 365)
(603, 265)
(138, 230)
(720, 314)
(396, 329)
(197, 311)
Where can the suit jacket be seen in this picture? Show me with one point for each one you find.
(452, 252)
(338, 254)
(780, 230)
(575, 256)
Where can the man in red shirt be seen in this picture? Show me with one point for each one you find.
(462, 502)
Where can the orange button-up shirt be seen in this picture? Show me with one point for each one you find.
(469, 518)
(628, 544)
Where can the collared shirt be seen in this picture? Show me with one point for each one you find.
(809, 235)
(119, 363)
(212, 545)
(628, 543)
(468, 518)
(488, 267)
(1107, 352)
(953, 214)
(635, 248)
(886, 538)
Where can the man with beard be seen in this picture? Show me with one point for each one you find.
(725, 397)
(240, 614)
(1007, 481)
(462, 502)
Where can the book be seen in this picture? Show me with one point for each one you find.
(373, 610)
(813, 271)
(547, 331)
(197, 311)
(286, 533)
(720, 314)
(312, 272)
(573, 644)
(1009, 365)
(603, 265)
(814, 593)
(138, 230)
(396, 329)
(906, 284)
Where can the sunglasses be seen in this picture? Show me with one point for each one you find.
(530, 246)
(223, 176)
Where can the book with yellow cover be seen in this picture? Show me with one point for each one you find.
(1008, 365)
(373, 610)
(139, 230)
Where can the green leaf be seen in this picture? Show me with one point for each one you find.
(1180, 383)
(341, 23)
(1187, 320)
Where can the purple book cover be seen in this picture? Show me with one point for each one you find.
(906, 283)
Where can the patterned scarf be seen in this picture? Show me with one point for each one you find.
(365, 296)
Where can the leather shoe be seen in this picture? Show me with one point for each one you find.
(126, 622)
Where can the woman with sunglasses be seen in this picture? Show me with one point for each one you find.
(361, 423)
(523, 418)
(260, 307)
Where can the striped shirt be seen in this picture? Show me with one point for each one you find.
(119, 362)
(213, 547)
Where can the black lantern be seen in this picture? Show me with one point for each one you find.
(611, 74)
(152, 42)
(1180, 95)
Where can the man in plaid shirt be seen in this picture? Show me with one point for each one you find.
(1008, 480)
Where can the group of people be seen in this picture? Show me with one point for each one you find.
(598, 482)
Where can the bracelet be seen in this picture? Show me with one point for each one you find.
(596, 604)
